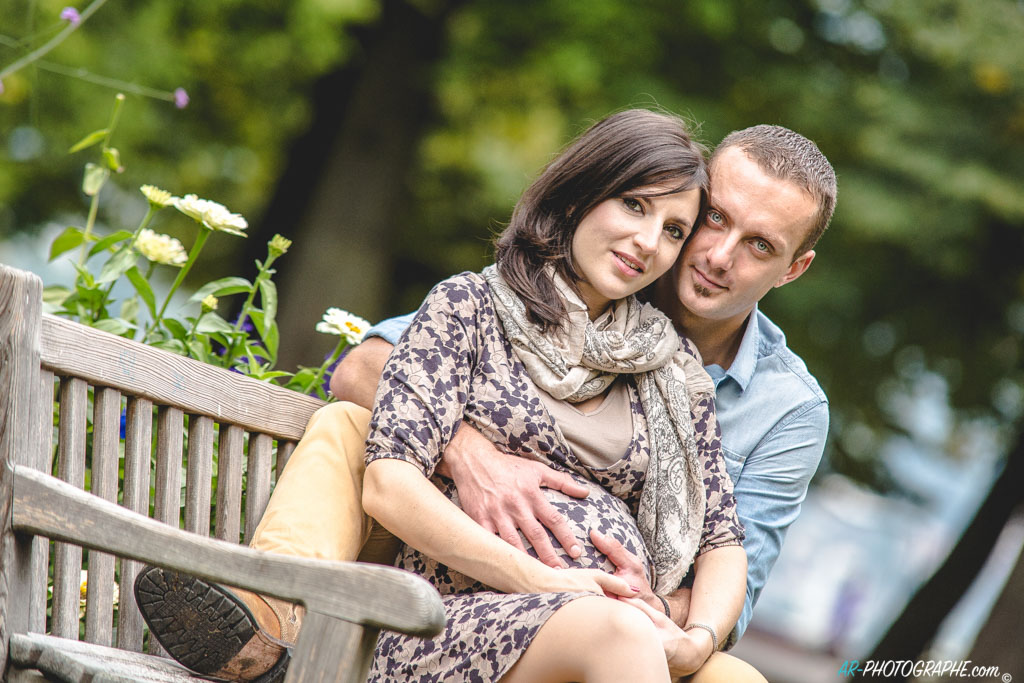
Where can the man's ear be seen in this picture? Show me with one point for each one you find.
(797, 268)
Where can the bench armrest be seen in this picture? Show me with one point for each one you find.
(372, 595)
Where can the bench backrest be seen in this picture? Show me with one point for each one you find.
(165, 436)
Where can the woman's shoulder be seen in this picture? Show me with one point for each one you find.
(465, 295)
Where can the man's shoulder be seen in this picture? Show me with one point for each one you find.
(780, 366)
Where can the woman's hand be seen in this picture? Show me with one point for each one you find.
(549, 580)
(686, 651)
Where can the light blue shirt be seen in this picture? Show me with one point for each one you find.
(774, 419)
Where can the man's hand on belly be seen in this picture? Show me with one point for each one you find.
(503, 493)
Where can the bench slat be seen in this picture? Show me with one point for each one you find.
(257, 483)
(106, 438)
(199, 476)
(137, 443)
(67, 568)
(373, 595)
(167, 379)
(284, 451)
(169, 434)
(40, 553)
(229, 482)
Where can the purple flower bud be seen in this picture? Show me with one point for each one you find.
(180, 98)
(71, 15)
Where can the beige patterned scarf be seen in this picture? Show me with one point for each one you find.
(582, 358)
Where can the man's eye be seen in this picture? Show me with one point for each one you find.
(715, 217)
(762, 246)
(633, 204)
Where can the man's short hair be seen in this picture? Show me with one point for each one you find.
(787, 155)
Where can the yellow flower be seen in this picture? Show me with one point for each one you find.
(209, 303)
(279, 245)
(342, 323)
(211, 214)
(161, 248)
(157, 197)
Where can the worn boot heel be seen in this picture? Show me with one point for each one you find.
(207, 628)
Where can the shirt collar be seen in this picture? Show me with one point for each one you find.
(745, 362)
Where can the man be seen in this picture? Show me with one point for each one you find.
(772, 196)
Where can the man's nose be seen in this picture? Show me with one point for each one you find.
(720, 252)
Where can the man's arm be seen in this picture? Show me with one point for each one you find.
(770, 489)
(501, 492)
(356, 377)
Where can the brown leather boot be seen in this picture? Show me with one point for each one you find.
(216, 631)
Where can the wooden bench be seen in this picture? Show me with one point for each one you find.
(183, 407)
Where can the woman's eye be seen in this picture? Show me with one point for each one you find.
(675, 231)
(633, 204)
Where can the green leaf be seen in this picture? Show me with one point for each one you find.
(113, 160)
(171, 345)
(270, 336)
(94, 178)
(54, 297)
(271, 374)
(116, 326)
(117, 266)
(268, 293)
(199, 351)
(176, 329)
(87, 281)
(212, 323)
(109, 240)
(88, 141)
(222, 287)
(144, 290)
(67, 240)
(130, 309)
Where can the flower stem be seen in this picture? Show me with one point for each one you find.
(247, 307)
(142, 226)
(53, 42)
(318, 378)
(204, 234)
(95, 203)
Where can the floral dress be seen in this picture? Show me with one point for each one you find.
(454, 364)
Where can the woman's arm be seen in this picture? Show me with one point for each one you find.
(398, 496)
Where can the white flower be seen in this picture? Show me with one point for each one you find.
(157, 197)
(211, 214)
(161, 248)
(351, 327)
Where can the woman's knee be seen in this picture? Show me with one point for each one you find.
(724, 668)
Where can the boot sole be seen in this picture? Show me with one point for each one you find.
(202, 625)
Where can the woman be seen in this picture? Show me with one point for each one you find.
(551, 356)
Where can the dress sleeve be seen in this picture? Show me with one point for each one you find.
(722, 526)
(422, 394)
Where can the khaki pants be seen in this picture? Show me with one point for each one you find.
(316, 511)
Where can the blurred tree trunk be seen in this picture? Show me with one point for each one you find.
(999, 642)
(345, 178)
(916, 627)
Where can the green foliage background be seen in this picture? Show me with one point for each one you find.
(918, 104)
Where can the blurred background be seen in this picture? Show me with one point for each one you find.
(390, 138)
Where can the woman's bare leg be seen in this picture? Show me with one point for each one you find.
(594, 640)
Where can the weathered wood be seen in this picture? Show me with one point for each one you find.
(167, 379)
(284, 451)
(20, 306)
(331, 650)
(137, 443)
(368, 594)
(106, 438)
(43, 440)
(169, 433)
(257, 485)
(229, 482)
(199, 475)
(82, 663)
(67, 562)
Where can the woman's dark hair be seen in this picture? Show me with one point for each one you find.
(625, 151)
